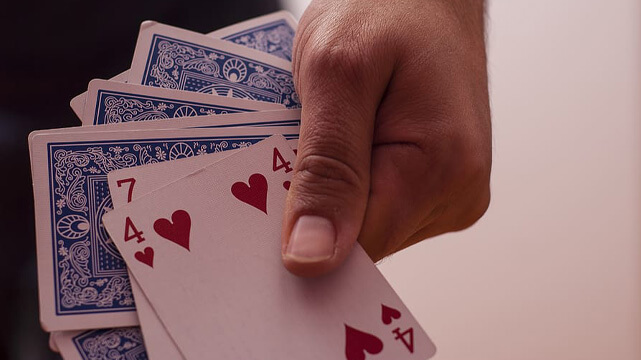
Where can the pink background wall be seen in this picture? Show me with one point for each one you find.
(553, 271)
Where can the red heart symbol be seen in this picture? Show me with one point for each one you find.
(254, 194)
(358, 342)
(176, 230)
(146, 256)
(287, 184)
(388, 314)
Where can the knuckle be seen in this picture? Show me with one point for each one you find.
(325, 175)
(466, 161)
(330, 52)
(467, 155)
(483, 203)
(340, 55)
(476, 168)
(475, 186)
(307, 27)
(476, 209)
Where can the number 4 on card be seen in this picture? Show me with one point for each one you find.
(131, 232)
(278, 158)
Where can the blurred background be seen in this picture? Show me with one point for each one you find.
(553, 270)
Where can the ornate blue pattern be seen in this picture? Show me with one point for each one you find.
(90, 275)
(275, 38)
(176, 64)
(118, 107)
(111, 344)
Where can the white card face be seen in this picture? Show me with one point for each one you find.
(206, 252)
(158, 344)
(82, 279)
(111, 102)
(131, 183)
(170, 57)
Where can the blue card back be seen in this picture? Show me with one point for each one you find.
(118, 107)
(117, 343)
(275, 38)
(90, 276)
(178, 64)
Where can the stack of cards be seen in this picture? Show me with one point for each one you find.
(158, 231)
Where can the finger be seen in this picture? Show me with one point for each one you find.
(421, 189)
(340, 82)
(431, 160)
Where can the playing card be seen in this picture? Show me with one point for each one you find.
(110, 102)
(174, 58)
(131, 183)
(117, 343)
(289, 117)
(82, 278)
(128, 184)
(271, 33)
(158, 343)
(52, 343)
(77, 104)
(206, 252)
(264, 118)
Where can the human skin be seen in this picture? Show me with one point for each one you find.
(395, 139)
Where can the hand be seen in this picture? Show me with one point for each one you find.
(395, 141)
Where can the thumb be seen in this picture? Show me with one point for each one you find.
(340, 91)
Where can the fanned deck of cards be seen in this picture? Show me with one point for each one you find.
(159, 220)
